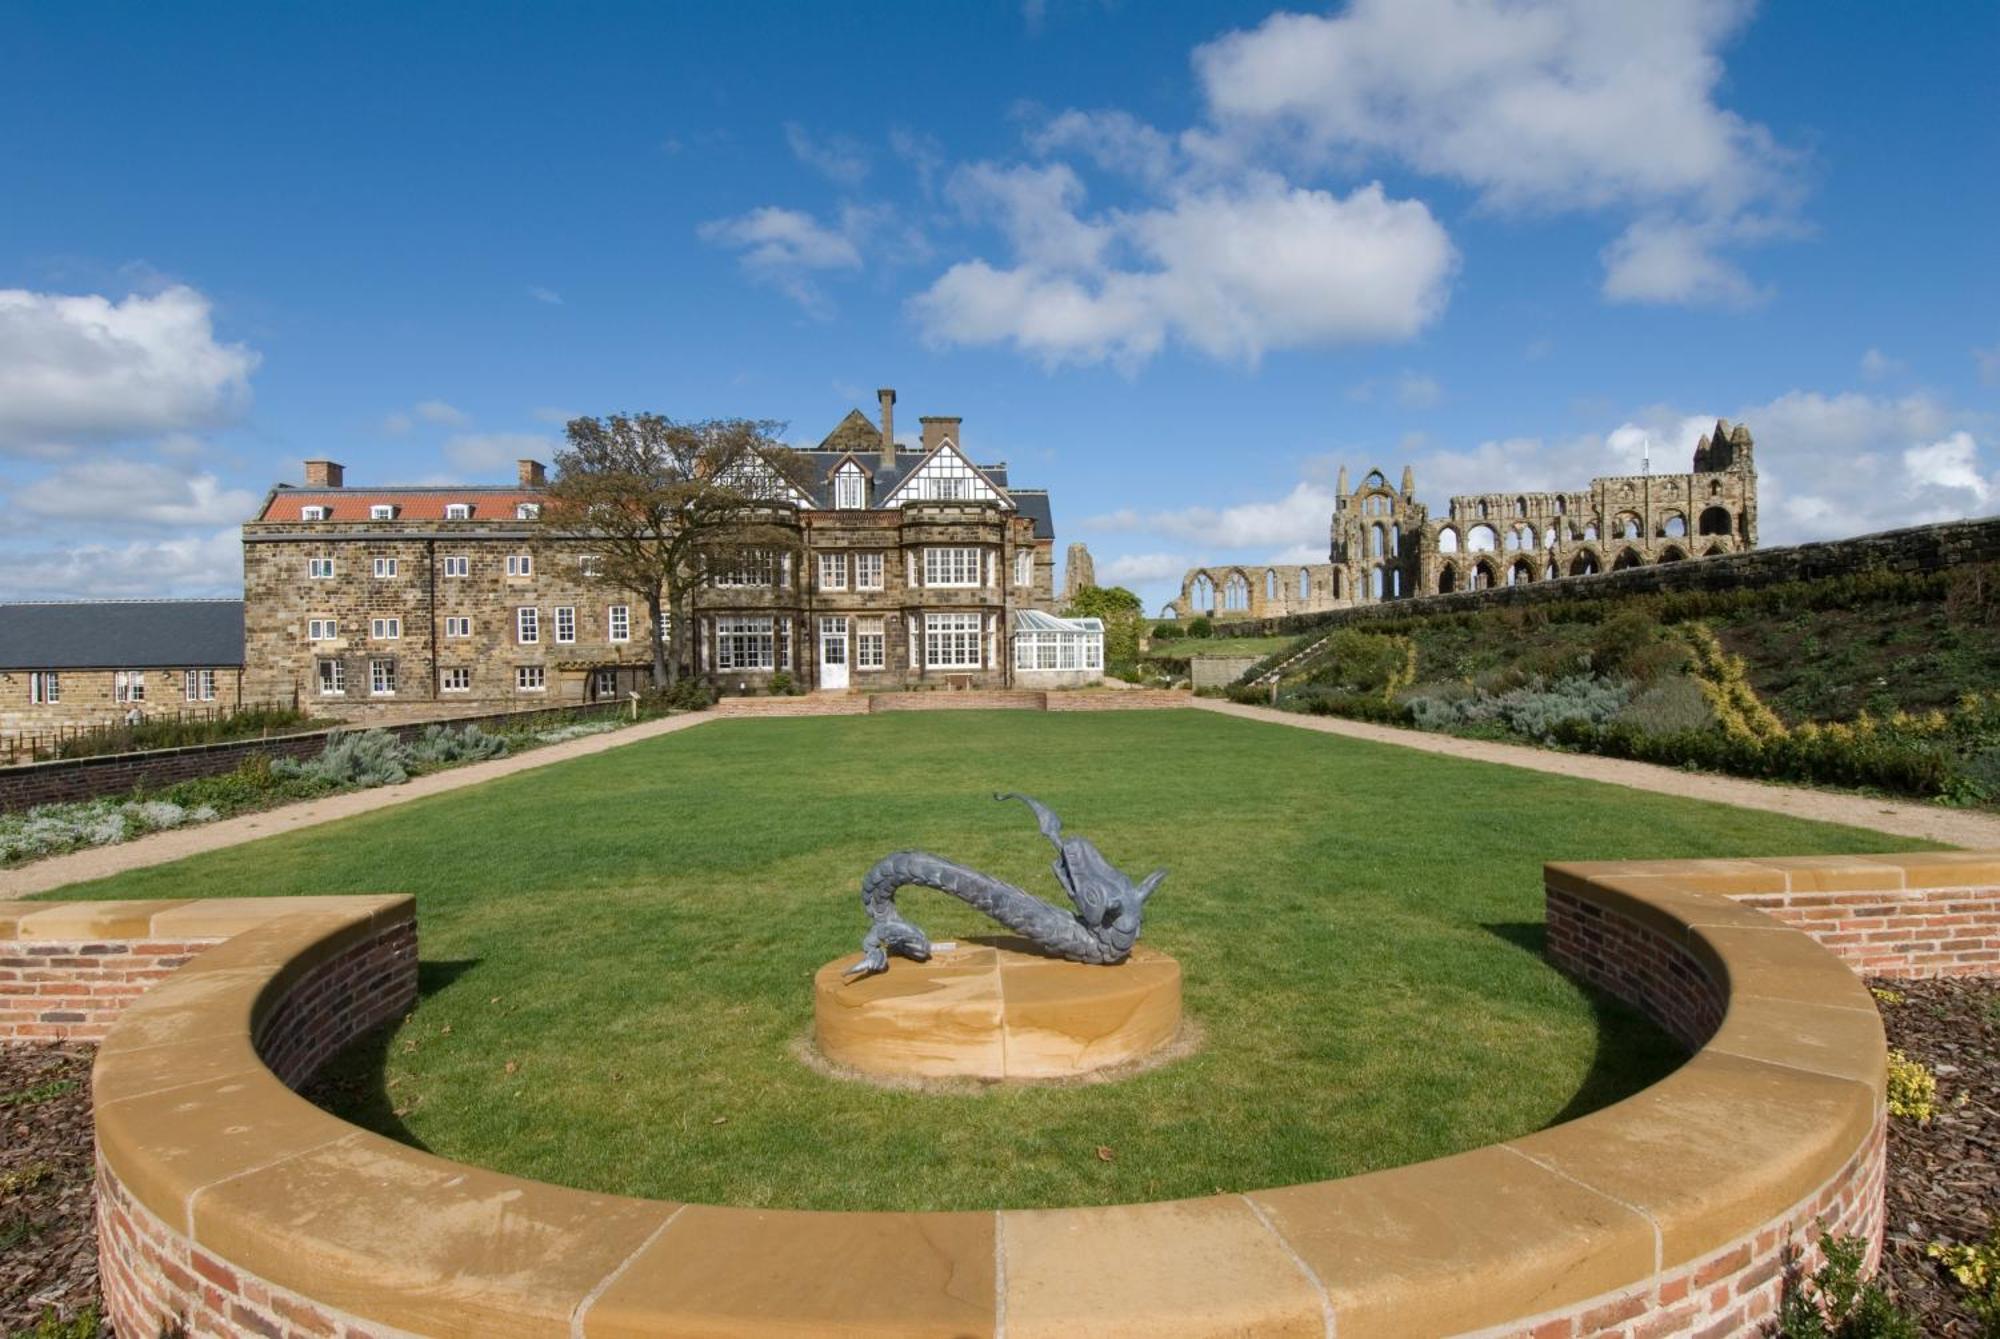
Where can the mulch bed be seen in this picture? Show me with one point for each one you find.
(1944, 1176)
(48, 1239)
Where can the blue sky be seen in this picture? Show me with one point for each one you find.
(1175, 262)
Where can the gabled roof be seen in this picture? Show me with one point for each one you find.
(122, 634)
(853, 433)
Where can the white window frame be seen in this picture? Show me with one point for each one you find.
(382, 676)
(850, 488)
(458, 565)
(531, 679)
(129, 685)
(386, 569)
(752, 571)
(457, 679)
(743, 643)
(590, 565)
(319, 569)
(527, 511)
(382, 511)
(870, 645)
(315, 513)
(527, 625)
(833, 571)
(385, 629)
(322, 629)
(949, 637)
(458, 511)
(331, 676)
(457, 625)
(618, 623)
(565, 621)
(1024, 567)
(45, 687)
(520, 564)
(868, 571)
(953, 566)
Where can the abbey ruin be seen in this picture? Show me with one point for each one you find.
(1385, 546)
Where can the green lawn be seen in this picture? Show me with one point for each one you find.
(1185, 647)
(618, 954)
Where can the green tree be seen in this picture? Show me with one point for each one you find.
(667, 506)
(1123, 615)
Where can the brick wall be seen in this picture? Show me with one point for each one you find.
(73, 990)
(1897, 931)
(70, 779)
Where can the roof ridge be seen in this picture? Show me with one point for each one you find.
(127, 599)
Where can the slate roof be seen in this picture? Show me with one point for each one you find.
(122, 634)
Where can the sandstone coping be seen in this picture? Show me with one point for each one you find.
(223, 1192)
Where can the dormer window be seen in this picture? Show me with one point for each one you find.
(458, 511)
(313, 513)
(527, 511)
(382, 511)
(850, 488)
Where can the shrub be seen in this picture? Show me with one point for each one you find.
(575, 730)
(441, 744)
(689, 694)
(173, 732)
(1669, 705)
(1168, 632)
(49, 829)
(780, 684)
(1201, 627)
(1976, 1269)
(1912, 1089)
(1365, 662)
(1835, 1303)
(351, 758)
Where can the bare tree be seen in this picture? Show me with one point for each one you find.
(666, 506)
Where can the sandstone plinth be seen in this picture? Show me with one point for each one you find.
(991, 1012)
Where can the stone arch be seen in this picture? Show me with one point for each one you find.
(1673, 526)
(1270, 585)
(1375, 583)
(1672, 554)
(1395, 583)
(1520, 506)
(1626, 526)
(1201, 592)
(1485, 576)
(1715, 551)
(1551, 572)
(1375, 537)
(1562, 505)
(1447, 540)
(1482, 509)
(1305, 584)
(1236, 591)
(1585, 564)
(1627, 558)
(1168, 613)
(1590, 532)
(1333, 579)
(1395, 539)
(1482, 539)
(1447, 578)
(1520, 573)
(1713, 521)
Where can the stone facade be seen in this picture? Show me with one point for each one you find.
(1385, 545)
(905, 570)
(104, 697)
(1078, 572)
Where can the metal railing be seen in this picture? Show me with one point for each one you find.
(79, 739)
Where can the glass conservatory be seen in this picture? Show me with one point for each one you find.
(1047, 647)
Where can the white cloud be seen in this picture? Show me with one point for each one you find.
(117, 494)
(545, 295)
(1036, 208)
(210, 564)
(1143, 568)
(82, 368)
(1116, 141)
(1300, 518)
(496, 452)
(836, 157)
(1951, 466)
(437, 411)
(1876, 364)
(785, 248)
(1538, 105)
(1231, 272)
(922, 152)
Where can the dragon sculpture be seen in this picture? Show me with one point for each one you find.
(1102, 930)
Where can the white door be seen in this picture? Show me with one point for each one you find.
(832, 653)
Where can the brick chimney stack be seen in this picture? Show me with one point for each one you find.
(532, 474)
(937, 427)
(325, 474)
(888, 399)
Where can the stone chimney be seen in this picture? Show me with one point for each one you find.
(532, 474)
(937, 427)
(325, 474)
(888, 399)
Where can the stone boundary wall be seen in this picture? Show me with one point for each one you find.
(61, 780)
(229, 1203)
(1019, 699)
(1219, 671)
(1927, 548)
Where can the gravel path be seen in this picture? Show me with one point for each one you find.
(158, 848)
(1954, 827)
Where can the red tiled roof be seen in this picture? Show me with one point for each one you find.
(413, 504)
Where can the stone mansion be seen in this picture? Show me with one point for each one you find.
(913, 567)
(1385, 545)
